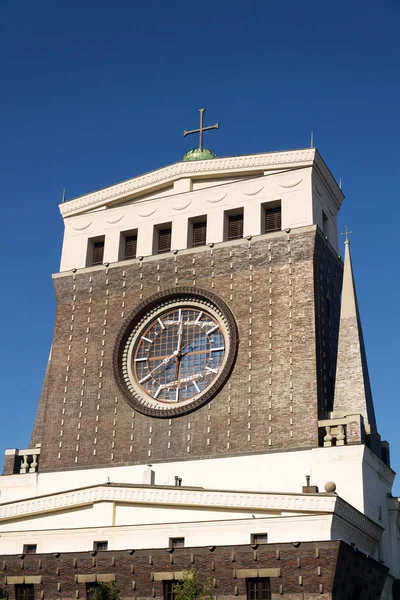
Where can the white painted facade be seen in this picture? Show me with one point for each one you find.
(176, 195)
(66, 511)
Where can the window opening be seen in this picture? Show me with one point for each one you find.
(98, 253)
(258, 588)
(100, 546)
(164, 240)
(273, 219)
(259, 538)
(235, 226)
(177, 542)
(168, 589)
(92, 591)
(30, 548)
(24, 591)
(199, 234)
(130, 247)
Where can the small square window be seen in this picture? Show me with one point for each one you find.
(30, 548)
(259, 538)
(177, 542)
(100, 546)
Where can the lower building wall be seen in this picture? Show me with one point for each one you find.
(297, 571)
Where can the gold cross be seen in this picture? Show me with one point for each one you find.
(201, 128)
(346, 233)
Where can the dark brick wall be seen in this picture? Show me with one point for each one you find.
(276, 287)
(323, 570)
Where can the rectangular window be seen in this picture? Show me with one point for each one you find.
(235, 226)
(130, 247)
(168, 589)
(258, 588)
(30, 548)
(273, 219)
(199, 233)
(98, 253)
(100, 546)
(176, 542)
(259, 538)
(164, 240)
(92, 590)
(24, 592)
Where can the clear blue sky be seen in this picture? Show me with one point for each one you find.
(95, 91)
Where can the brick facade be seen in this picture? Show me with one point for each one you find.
(299, 571)
(276, 286)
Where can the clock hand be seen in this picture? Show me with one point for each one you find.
(180, 333)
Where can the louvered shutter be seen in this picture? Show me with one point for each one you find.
(164, 240)
(273, 219)
(235, 229)
(98, 253)
(130, 247)
(199, 233)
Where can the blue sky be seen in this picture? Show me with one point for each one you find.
(94, 92)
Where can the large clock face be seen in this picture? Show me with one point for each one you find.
(179, 354)
(176, 354)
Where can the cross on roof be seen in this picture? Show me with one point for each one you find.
(201, 128)
(346, 233)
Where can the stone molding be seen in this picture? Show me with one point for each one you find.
(192, 498)
(218, 166)
(245, 573)
(21, 579)
(95, 578)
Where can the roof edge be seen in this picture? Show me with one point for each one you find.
(231, 164)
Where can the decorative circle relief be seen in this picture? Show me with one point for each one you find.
(175, 351)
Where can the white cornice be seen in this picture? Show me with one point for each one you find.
(189, 499)
(219, 166)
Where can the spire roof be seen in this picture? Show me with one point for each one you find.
(352, 386)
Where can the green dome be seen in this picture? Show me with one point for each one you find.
(199, 154)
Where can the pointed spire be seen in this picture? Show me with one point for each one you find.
(352, 386)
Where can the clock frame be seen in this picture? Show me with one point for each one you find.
(175, 351)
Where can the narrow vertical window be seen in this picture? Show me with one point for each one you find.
(235, 226)
(199, 234)
(98, 253)
(168, 588)
(164, 240)
(273, 219)
(130, 247)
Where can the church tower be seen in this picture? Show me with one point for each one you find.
(207, 391)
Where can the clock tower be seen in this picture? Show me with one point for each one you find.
(195, 347)
(207, 391)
